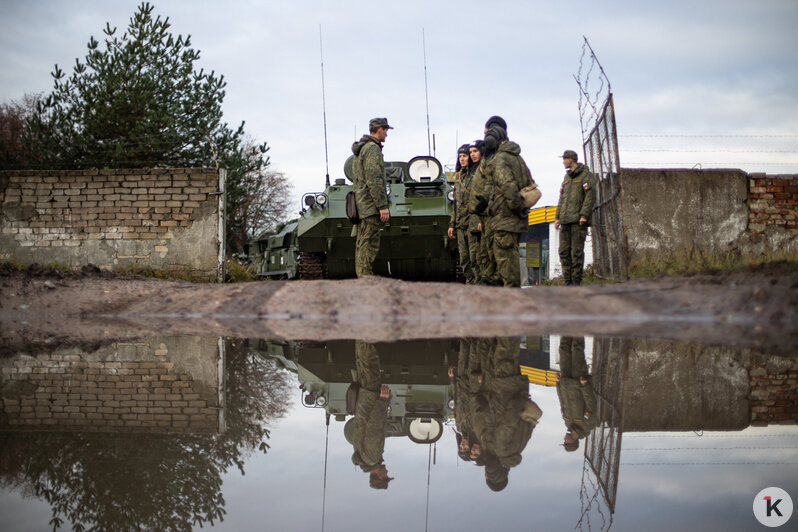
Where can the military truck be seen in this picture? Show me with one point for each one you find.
(413, 244)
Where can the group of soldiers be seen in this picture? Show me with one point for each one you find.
(489, 213)
(489, 217)
(494, 414)
(493, 411)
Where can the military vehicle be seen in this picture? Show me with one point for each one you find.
(413, 244)
(416, 371)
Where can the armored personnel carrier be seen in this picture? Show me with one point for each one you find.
(413, 244)
(416, 371)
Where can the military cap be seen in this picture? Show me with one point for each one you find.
(570, 154)
(463, 149)
(376, 123)
(496, 120)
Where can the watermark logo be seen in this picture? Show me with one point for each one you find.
(772, 507)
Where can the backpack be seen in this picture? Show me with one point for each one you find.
(351, 396)
(530, 194)
(351, 207)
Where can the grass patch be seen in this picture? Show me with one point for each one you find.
(693, 261)
(238, 272)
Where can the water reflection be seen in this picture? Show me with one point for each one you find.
(158, 433)
(494, 414)
(134, 435)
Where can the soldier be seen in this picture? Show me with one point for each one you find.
(507, 174)
(458, 223)
(504, 416)
(372, 200)
(575, 391)
(572, 218)
(366, 431)
(481, 259)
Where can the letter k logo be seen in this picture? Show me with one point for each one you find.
(773, 506)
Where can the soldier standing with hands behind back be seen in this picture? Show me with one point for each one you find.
(572, 218)
(372, 200)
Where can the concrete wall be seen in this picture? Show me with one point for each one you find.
(671, 386)
(667, 212)
(155, 385)
(707, 213)
(681, 387)
(164, 219)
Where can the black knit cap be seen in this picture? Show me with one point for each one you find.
(496, 120)
(463, 149)
(478, 144)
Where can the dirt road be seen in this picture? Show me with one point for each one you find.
(45, 306)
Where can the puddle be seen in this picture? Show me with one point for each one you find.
(543, 432)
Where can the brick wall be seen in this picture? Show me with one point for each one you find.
(116, 219)
(774, 394)
(772, 201)
(123, 387)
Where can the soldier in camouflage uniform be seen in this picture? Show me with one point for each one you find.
(575, 391)
(372, 200)
(478, 206)
(481, 260)
(507, 174)
(504, 416)
(459, 221)
(572, 218)
(366, 430)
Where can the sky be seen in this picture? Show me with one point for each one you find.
(709, 83)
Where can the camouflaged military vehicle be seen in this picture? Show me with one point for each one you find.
(416, 371)
(413, 244)
(274, 253)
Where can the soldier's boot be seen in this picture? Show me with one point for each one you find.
(531, 412)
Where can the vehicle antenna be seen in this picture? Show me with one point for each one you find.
(324, 497)
(324, 110)
(426, 92)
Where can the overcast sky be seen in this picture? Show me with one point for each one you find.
(701, 81)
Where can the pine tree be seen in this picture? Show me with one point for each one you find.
(135, 101)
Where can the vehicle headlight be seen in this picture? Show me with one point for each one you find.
(321, 199)
(450, 196)
(321, 400)
(309, 200)
(388, 190)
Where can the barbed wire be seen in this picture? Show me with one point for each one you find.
(708, 463)
(632, 135)
(627, 435)
(708, 151)
(794, 448)
(628, 163)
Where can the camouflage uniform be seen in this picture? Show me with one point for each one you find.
(577, 197)
(508, 174)
(577, 400)
(459, 221)
(480, 192)
(504, 415)
(371, 411)
(369, 181)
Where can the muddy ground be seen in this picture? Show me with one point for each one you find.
(47, 307)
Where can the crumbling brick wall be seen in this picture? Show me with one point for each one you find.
(772, 202)
(124, 387)
(163, 219)
(774, 399)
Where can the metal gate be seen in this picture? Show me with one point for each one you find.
(600, 144)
